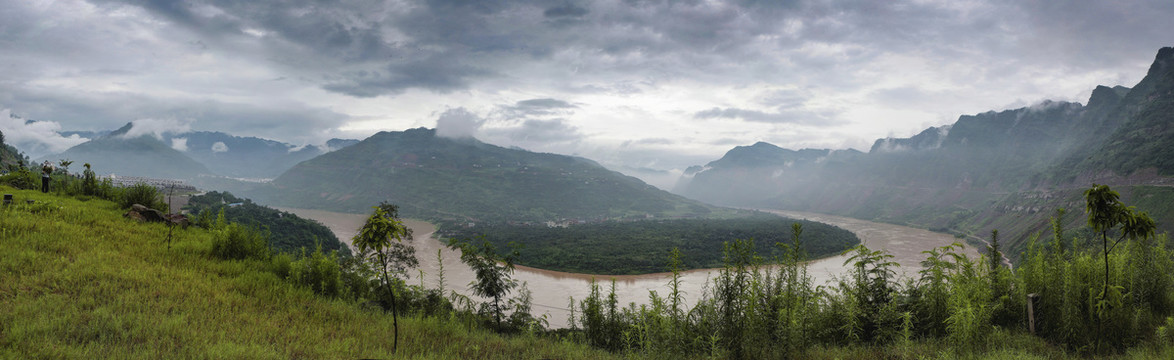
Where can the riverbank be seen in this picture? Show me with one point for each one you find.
(552, 290)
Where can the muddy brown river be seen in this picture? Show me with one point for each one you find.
(552, 290)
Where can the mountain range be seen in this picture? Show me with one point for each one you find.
(462, 178)
(1005, 170)
(188, 155)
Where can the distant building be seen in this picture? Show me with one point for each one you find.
(161, 184)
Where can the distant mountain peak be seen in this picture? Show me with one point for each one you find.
(1104, 95)
(1162, 62)
(125, 129)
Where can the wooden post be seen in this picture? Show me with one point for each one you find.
(1032, 302)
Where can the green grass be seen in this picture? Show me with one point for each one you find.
(79, 281)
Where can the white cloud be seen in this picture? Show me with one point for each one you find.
(157, 127)
(458, 123)
(35, 139)
(219, 146)
(180, 144)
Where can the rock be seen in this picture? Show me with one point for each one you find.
(178, 219)
(134, 215)
(143, 213)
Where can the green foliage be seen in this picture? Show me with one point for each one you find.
(82, 282)
(236, 241)
(319, 272)
(89, 181)
(288, 232)
(438, 177)
(142, 194)
(493, 274)
(382, 239)
(639, 247)
(22, 178)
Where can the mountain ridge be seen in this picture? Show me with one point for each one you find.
(949, 178)
(430, 175)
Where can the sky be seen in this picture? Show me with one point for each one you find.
(632, 84)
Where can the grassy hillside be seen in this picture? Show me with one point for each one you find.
(79, 281)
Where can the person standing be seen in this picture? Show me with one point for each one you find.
(46, 170)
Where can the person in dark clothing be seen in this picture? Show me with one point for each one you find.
(46, 170)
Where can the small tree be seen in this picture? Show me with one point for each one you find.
(65, 163)
(382, 237)
(89, 181)
(493, 278)
(1105, 212)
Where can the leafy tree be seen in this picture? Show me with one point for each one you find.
(493, 272)
(89, 181)
(1105, 212)
(65, 163)
(379, 238)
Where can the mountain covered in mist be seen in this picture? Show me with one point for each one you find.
(188, 155)
(143, 155)
(1007, 170)
(243, 157)
(432, 176)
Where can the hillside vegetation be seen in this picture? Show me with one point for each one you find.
(640, 247)
(436, 177)
(287, 232)
(79, 281)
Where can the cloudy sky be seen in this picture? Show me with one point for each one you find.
(629, 83)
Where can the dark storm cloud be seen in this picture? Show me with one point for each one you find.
(536, 108)
(565, 11)
(90, 67)
(442, 74)
(370, 48)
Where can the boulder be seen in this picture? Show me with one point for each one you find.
(143, 213)
(178, 219)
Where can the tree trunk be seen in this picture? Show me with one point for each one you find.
(1105, 241)
(394, 309)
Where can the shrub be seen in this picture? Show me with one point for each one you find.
(234, 241)
(318, 272)
(281, 264)
(142, 194)
(21, 179)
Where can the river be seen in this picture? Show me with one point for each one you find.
(552, 289)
